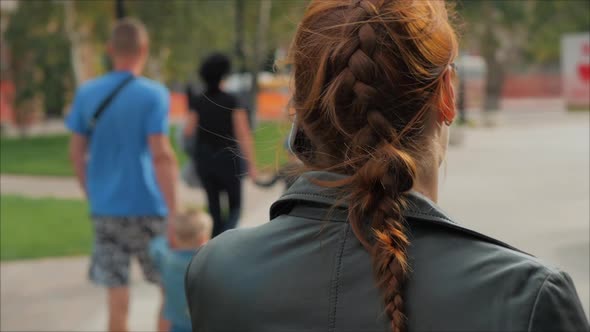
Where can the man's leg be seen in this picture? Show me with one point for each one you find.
(109, 267)
(118, 309)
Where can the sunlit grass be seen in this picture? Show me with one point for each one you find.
(43, 227)
(48, 155)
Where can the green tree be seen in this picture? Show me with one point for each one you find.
(39, 57)
(182, 32)
(512, 33)
(552, 20)
(87, 25)
(58, 44)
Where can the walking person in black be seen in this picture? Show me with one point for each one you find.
(224, 150)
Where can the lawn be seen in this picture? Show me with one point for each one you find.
(47, 227)
(48, 155)
(269, 144)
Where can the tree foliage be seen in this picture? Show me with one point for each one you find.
(184, 32)
(531, 29)
(47, 50)
(512, 34)
(552, 20)
(40, 62)
(508, 34)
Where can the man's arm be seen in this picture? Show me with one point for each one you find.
(165, 166)
(78, 144)
(191, 124)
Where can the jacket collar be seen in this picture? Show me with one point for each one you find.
(420, 209)
(304, 189)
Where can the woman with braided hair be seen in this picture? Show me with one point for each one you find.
(357, 243)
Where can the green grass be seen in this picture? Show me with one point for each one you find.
(48, 155)
(47, 227)
(182, 157)
(269, 143)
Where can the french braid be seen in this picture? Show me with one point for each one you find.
(386, 168)
(345, 109)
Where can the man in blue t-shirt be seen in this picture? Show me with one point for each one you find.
(125, 164)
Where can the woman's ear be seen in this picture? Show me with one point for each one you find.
(446, 105)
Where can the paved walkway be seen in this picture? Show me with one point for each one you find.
(53, 295)
(525, 182)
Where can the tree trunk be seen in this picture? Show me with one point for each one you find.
(120, 9)
(239, 35)
(75, 41)
(491, 52)
(461, 102)
(154, 66)
(494, 84)
(259, 52)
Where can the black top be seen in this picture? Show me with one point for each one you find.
(215, 112)
(305, 271)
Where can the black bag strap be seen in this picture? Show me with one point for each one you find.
(107, 101)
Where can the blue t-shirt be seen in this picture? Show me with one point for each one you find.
(172, 265)
(120, 176)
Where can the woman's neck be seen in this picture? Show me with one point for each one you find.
(426, 182)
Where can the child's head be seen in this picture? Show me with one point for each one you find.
(193, 228)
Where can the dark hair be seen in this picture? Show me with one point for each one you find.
(213, 69)
(367, 74)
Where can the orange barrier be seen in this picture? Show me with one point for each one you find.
(272, 105)
(178, 105)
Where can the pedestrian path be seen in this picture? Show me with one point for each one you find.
(54, 295)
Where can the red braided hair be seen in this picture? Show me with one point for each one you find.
(367, 73)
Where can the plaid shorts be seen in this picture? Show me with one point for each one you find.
(116, 240)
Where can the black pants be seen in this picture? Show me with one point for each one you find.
(220, 172)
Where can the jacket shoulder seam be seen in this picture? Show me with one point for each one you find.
(420, 213)
(472, 233)
(295, 193)
(537, 297)
(335, 287)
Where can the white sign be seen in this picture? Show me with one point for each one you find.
(575, 67)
